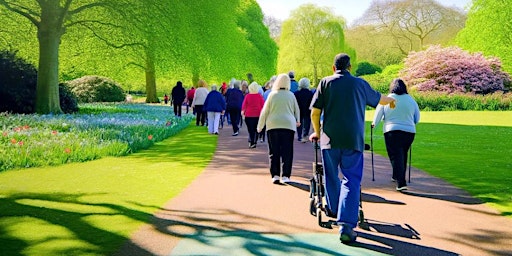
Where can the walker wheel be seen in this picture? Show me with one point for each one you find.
(319, 216)
(361, 216)
(312, 207)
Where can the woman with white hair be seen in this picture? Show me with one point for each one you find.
(214, 106)
(198, 102)
(251, 109)
(304, 97)
(280, 114)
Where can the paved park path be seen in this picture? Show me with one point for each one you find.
(232, 208)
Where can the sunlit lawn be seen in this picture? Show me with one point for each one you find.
(92, 208)
(471, 150)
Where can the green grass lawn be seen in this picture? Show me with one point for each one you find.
(92, 208)
(471, 150)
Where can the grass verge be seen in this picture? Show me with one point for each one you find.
(92, 208)
(470, 149)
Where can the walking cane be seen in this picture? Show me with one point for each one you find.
(371, 147)
(410, 162)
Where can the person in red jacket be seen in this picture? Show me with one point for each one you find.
(251, 108)
(190, 98)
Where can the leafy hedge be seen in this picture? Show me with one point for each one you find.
(435, 101)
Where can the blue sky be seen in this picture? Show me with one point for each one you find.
(349, 9)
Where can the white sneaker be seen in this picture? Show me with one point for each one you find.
(286, 180)
(275, 179)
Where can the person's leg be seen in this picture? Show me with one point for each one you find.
(286, 139)
(175, 109)
(407, 138)
(395, 154)
(273, 153)
(215, 120)
(299, 129)
(179, 109)
(331, 160)
(211, 118)
(350, 192)
(307, 125)
(251, 123)
(234, 114)
(203, 116)
(199, 110)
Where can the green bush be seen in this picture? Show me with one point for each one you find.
(96, 89)
(435, 101)
(68, 100)
(367, 68)
(381, 81)
(17, 84)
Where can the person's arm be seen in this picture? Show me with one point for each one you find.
(384, 100)
(263, 116)
(379, 113)
(315, 121)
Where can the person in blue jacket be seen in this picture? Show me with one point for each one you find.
(214, 106)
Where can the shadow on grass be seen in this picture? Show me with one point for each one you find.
(93, 239)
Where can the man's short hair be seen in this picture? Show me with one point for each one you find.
(291, 74)
(341, 61)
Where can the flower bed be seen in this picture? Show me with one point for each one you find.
(99, 130)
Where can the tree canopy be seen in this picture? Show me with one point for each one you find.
(489, 30)
(390, 29)
(310, 39)
(138, 42)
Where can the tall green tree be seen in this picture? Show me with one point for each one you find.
(51, 18)
(489, 30)
(310, 39)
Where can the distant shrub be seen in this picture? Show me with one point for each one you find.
(68, 100)
(367, 68)
(381, 81)
(18, 81)
(96, 89)
(438, 101)
(454, 70)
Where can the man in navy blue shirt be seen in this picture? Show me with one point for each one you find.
(342, 98)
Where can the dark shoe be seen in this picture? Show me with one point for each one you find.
(235, 134)
(216, 133)
(252, 146)
(348, 235)
(402, 188)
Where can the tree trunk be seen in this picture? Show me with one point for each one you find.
(49, 34)
(151, 96)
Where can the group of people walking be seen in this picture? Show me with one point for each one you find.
(336, 109)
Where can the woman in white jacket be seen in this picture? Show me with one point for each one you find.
(280, 115)
(198, 102)
(399, 128)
